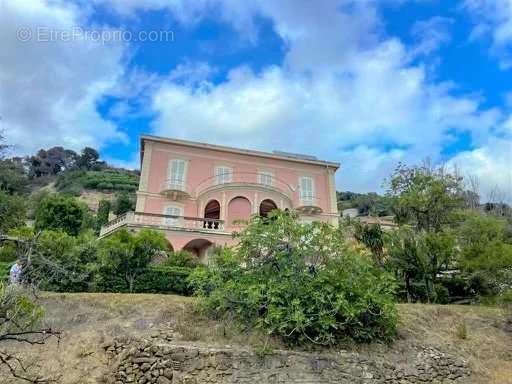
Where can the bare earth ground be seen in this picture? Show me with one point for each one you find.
(481, 335)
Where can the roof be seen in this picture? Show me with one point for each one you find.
(239, 151)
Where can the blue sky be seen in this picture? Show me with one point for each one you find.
(364, 82)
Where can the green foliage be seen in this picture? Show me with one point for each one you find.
(366, 203)
(123, 203)
(17, 310)
(418, 258)
(58, 212)
(153, 279)
(299, 282)
(106, 180)
(371, 236)
(89, 159)
(425, 196)
(64, 263)
(127, 255)
(482, 243)
(180, 259)
(12, 177)
(7, 252)
(13, 210)
(103, 212)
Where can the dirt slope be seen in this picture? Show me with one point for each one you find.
(480, 335)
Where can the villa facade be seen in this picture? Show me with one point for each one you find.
(198, 193)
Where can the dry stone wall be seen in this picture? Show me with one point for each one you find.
(166, 362)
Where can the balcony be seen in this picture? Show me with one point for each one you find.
(309, 205)
(246, 179)
(165, 222)
(175, 189)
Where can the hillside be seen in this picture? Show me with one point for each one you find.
(100, 329)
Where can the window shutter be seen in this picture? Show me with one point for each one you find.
(223, 174)
(266, 178)
(306, 189)
(177, 172)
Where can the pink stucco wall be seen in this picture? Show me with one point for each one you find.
(200, 166)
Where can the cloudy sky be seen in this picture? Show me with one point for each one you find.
(367, 83)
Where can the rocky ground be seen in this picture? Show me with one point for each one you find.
(118, 338)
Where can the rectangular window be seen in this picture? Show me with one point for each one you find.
(266, 178)
(172, 211)
(177, 173)
(223, 174)
(307, 189)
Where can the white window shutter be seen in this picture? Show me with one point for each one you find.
(177, 172)
(306, 189)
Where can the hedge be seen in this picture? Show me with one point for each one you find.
(155, 279)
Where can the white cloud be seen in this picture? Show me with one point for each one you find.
(493, 18)
(343, 93)
(49, 89)
(490, 164)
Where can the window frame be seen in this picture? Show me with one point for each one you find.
(171, 179)
(311, 195)
(225, 177)
(262, 174)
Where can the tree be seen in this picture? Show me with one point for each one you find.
(13, 212)
(51, 161)
(12, 178)
(89, 160)
(59, 212)
(127, 255)
(300, 282)
(372, 237)
(123, 203)
(427, 196)
(484, 244)
(103, 213)
(418, 258)
(19, 318)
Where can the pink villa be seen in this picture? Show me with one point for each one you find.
(197, 193)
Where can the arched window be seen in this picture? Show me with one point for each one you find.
(212, 211)
(266, 206)
(239, 208)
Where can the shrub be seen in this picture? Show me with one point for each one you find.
(300, 282)
(123, 203)
(8, 252)
(127, 255)
(153, 279)
(180, 259)
(13, 210)
(57, 212)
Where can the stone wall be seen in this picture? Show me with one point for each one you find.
(165, 362)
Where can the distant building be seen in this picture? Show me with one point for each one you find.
(196, 193)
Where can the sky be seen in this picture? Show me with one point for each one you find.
(367, 83)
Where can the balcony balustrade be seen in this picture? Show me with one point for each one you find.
(162, 222)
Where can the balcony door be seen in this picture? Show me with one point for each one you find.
(212, 211)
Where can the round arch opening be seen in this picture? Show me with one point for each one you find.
(199, 248)
(212, 212)
(239, 208)
(266, 206)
